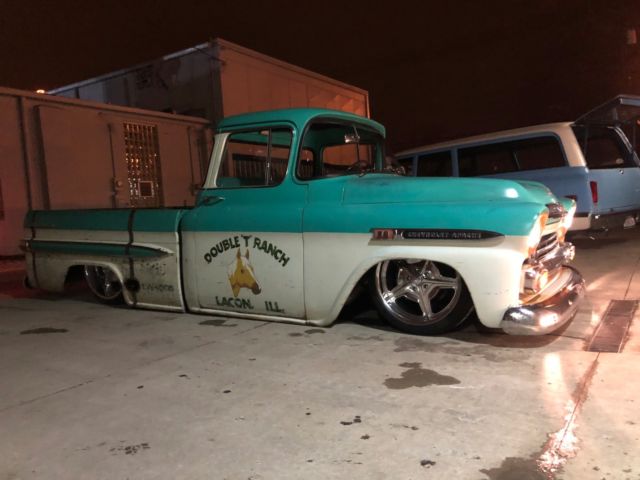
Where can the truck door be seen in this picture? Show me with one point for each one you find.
(243, 241)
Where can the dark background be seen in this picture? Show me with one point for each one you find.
(434, 69)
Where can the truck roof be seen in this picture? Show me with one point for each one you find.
(500, 135)
(298, 116)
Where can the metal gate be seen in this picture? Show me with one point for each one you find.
(142, 154)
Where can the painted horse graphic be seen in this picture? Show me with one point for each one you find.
(241, 274)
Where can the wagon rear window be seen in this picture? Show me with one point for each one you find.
(603, 147)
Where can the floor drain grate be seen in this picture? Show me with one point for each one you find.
(612, 331)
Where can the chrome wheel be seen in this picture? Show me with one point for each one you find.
(103, 282)
(417, 292)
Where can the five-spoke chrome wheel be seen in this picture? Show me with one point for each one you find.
(420, 296)
(104, 283)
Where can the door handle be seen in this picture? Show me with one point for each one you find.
(208, 201)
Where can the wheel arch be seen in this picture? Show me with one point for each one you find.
(359, 278)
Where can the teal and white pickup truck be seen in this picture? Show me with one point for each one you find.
(298, 212)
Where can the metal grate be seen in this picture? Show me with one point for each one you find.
(611, 332)
(142, 154)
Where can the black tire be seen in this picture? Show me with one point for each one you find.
(420, 296)
(104, 284)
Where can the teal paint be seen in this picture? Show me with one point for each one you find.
(145, 220)
(356, 204)
(258, 209)
(299, 117)
(111, 220)
(158, 219)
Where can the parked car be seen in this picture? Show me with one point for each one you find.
(590, 160)
(297, 212)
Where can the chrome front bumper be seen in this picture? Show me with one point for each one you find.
(539, 318)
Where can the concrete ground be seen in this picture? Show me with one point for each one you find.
(96, 392)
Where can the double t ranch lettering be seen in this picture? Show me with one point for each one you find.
(257, 244)
(272, 250)
(221, 247)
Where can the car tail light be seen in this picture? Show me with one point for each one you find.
(594, 191)
(572, 197)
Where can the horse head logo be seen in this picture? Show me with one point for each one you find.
(241, 274)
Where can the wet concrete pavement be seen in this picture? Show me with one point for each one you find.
(91, 391)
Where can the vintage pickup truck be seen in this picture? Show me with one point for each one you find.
(298, 211)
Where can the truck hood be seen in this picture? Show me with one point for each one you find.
(378, 189)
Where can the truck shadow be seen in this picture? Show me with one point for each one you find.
(360, 311)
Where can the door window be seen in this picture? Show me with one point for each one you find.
(255, 158)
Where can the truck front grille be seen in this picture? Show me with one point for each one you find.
(547, 243)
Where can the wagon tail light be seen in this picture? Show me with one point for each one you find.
(536, 233)
(594, 191)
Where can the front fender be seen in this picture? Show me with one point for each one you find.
(491, 269)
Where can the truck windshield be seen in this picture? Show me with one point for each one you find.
(604, 147)
(331, 149)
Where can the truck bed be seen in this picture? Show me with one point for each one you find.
(141, 245)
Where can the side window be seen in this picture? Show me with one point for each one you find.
(435, 165)
(486, 160)
(255, 158)
(537, 153)
(504, 157)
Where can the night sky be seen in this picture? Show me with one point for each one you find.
(434, 69)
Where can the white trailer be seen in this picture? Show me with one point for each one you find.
(58, 153)
(217, 79)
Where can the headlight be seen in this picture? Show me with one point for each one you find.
(536, 233)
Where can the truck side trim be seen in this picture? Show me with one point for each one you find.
(101, 249)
